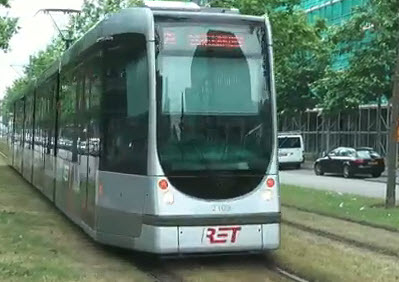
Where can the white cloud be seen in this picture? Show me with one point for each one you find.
(36, 32)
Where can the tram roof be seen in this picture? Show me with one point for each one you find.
(137, 20)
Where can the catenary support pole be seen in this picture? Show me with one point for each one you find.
(392, 142)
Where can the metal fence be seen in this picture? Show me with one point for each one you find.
(367, 126)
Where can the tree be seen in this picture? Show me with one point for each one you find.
(369, 38)
(8, 27)
(301, 50)
(92, 12)
(95, 10)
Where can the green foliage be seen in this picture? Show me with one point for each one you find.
(370, 37)
(302, 52)
(4, 3)
(8, 27)
(92, 12)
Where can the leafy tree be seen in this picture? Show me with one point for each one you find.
(95, 10)
(8, 27)
(370, 38)
(92, 12)
(301, 50)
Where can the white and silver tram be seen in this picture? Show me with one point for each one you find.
(156, 131)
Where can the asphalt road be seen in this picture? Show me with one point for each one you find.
(364, 186)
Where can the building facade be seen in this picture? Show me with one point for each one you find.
(334, 12)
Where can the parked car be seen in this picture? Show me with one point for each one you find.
(350, 161)
(290, 150)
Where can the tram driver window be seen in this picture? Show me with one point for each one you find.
(126, 106)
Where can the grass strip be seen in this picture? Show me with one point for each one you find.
(37, 243)
(339, 238)
(374, 239)
(362, 210)
(318, 258)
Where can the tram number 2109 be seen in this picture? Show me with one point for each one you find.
(221, 208)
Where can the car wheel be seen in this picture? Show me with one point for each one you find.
(318, 170)
(298, 166)
(347, 171)
(376, 174)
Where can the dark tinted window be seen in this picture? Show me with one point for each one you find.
(93, 89)
(89, 92)
(19, 123)
(45, 110)
(214, 126)
(367, 154)
(289, 142)
(28, 122)
(67, 137)
(126, 105)
(334, 152)
(346, 153)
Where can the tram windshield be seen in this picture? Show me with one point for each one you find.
(214, 99)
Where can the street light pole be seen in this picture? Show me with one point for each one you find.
(390, 200)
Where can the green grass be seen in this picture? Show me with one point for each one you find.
(38, 244)
(352, 207)
(320, 259)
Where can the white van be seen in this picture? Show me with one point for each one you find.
(290, 149)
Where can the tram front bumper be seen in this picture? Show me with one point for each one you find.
(210, 238)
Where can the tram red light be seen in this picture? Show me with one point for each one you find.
(163, 184)
(270, 182)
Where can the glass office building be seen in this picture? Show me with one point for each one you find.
(334, 12)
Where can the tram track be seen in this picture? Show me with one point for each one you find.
(263, 261)
(160, 269)
(270, 264)
(156, 268)
(288, 275)
(341, 239)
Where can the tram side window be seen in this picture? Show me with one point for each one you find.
(19, 119)
(28, 121)
(82, 100)
(126, 106)
(67, 137)
(38, 130)
(93, 93)
(45, 116)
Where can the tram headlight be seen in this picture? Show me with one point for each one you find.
(168, 198)
(267, 195)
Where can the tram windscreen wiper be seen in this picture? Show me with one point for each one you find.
(181, 126)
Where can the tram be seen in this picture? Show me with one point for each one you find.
(156, 131)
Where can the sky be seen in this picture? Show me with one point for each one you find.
(36, 32)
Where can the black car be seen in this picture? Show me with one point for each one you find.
(350, 161)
